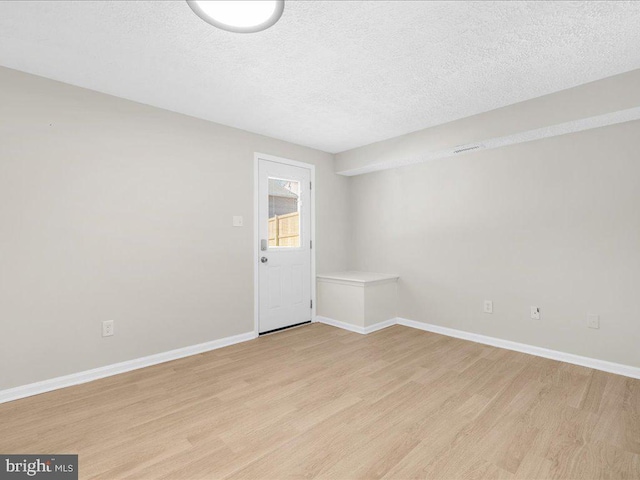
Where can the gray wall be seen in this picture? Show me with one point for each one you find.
(110, 209)
(553, 223)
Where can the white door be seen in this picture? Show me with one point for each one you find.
(284, 225)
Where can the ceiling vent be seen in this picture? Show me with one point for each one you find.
(467, 148)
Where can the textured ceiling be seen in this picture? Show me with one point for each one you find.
(330, 75)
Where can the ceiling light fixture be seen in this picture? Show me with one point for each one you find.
(241, 16)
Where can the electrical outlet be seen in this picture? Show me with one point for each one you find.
(107, 328)
(593, 321)
(237, 221)
(488, 306)
(535, 313)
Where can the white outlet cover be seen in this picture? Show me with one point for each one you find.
(237, 221)
(488, 306)
(593, 321)
(535, 313)
(107, 328)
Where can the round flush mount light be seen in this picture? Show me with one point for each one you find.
(241, 16)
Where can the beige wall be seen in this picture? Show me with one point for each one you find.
(110, 209)
(553, 223)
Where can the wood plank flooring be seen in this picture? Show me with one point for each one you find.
(320, 402)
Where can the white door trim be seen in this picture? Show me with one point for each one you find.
(256, 232)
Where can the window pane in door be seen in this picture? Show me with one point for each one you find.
(284, 213)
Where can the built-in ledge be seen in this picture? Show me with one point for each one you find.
(361, 299)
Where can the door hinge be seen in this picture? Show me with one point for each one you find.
(310, 243)
(311, 304)
(310, 186)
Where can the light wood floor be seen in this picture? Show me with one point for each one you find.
(319, 402)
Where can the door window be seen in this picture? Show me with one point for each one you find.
(284, 213)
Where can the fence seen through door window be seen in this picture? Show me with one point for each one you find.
(284, 230)
(284, 214)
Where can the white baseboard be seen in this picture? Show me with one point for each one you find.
(355, 328)
(611, 367)
(116, 368)
(379, 326)
(122, 367)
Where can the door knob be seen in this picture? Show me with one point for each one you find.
(264, 259)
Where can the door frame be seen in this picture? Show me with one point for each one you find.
(256, 232)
